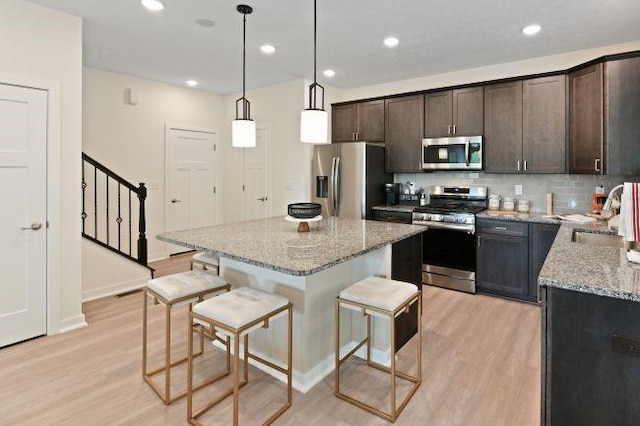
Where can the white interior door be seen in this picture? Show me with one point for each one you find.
(23, 216)
(255, 177)
(190, 186)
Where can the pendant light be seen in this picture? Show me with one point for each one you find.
(314, 120)
(243, 129)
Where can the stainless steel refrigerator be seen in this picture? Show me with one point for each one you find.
(349, 178)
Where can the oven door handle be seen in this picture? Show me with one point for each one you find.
(469, 229)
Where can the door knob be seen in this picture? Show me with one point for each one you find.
(34, 226)
(175, 200)
(262, 199)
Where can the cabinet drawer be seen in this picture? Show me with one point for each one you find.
(391, 216)
(502, 227)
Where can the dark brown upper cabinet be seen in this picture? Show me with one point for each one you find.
(361, 121)
(503, 127)
(586, 124)
(404, 119)
(544, 125)
(622, 116)
(456, 112)
(525, 126)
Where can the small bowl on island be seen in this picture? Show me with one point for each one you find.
(304, 210)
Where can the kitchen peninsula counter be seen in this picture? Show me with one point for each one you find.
(310, 269)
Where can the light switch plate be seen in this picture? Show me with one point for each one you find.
(518, 189)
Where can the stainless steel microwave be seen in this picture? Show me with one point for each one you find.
(458, 153)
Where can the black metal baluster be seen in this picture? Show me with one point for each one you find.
(130, 232)
(119, 218)
(84, 187)
(95, 202)
(106, 208)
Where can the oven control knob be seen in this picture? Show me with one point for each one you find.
(436, 217)
(426, 217)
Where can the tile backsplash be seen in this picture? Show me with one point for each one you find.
(571, 193)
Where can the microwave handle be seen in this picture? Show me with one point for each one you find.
(467, 153)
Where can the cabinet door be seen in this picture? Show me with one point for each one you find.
(438, 108)
(503, 127)
(502, 265)
(586, 121)
(370, 121)
(403, 133)
(540, 241)
(468, 112)
(344, 119)
(623, 116)
(544, 125)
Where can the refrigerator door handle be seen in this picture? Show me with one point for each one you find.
(335, 184)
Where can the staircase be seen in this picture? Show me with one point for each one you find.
(113, 212)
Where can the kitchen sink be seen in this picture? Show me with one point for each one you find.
(596, 239)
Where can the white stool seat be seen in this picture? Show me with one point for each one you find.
(381, 293)
(240, 306)
(183, 284)
(208, 258)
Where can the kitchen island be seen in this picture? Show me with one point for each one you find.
(590, 297)
(308, 268)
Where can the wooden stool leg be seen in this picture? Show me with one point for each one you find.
(144, 332)
(236, 379)
(167, 354)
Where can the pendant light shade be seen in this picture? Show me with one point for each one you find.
(314, 120)
(313, 126)
(243, 133)
(243, 128)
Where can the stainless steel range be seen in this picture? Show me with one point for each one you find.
(449, 243)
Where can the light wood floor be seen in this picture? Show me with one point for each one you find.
(481, 366)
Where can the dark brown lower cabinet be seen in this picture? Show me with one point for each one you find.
(509, 257)
(406, 265)
(590, 359)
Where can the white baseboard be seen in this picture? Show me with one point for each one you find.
(303, 382)
(70, 324)
(114, 289)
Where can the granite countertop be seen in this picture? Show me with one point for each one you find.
(517, 216)
(395, 208)
(590, 268)
(274, 243)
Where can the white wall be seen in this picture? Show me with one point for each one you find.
(129, 139)
(40, 43)
(543, 64)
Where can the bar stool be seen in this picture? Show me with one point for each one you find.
(206, 261)
(170, 290)
(236, 314)
(384, 298)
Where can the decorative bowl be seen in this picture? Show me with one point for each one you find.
(304, 210)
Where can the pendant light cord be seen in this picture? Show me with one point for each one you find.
(244, 54)
(315, 38)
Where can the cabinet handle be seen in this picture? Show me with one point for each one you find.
(525, 165)
(500, 228)
(479, 240)
(596, 165)
(518, 165)
(454, 130)
(449, 130)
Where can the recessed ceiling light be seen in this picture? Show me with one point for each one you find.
(204, 22)
(191, 83)
(391, 41)
(154, 5)
(329, 73)
(531, 29)
(267, 48)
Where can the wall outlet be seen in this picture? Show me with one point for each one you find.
(154, 185)
(518, 189)
(289, 185)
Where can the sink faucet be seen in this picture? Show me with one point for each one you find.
(610, 200)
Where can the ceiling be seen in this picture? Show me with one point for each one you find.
(435, 37)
